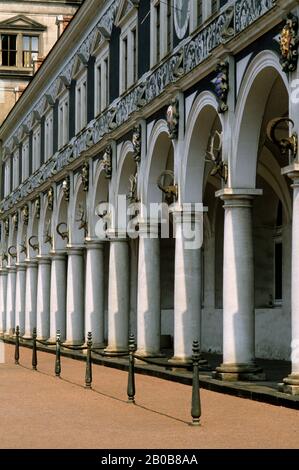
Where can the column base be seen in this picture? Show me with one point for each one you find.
(52, 339)
(71, 342)
(27, 336)
(147, 355)
(239, 372)
(188, 362)
(9, 334)
(111, 351)
(290, 385)
(42, 338)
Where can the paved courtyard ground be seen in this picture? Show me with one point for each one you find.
(39, 410)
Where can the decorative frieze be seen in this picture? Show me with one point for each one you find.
(225, 26)
(248, 11)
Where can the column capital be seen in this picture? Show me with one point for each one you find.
(115, 235)
(75, 250)
(21, 266)
(11, 268)
(292, 171)
(30, 263)
(94, 244)
(58, 255)
(43, 259)
(238, 193)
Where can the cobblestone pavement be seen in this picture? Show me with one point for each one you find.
(39, 410)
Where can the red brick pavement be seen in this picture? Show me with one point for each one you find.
(39, 410)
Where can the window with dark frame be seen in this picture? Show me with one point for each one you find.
(8, 50)
(11, 56)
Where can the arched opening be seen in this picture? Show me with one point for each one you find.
(257, 163)
(161, 159)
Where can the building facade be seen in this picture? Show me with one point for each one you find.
(193, 104)
(28, 30)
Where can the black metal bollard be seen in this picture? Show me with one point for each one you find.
(196, 407)
(131, 376)
(88, 373)
(34, 353)
(17, 348)
(57, 358)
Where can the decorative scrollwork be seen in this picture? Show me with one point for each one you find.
(136, 141)
(47, 236)
(64, 235)
(172, 118)
(222, 85)
(107, 161)
(23, 246)
(214, 156)
(4, 257)
(11, 253)
(170, 189)
(85, 176)
(34, 246)
(287, 144)
(289, 41)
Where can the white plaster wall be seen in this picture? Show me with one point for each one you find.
(272, 334)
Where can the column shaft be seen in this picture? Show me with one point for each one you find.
(3, 295)
(43, 298)
(291, 383)
(10, 300)
(95, 292)
(30, 297)
(20, 296)
(118, 296)
(75, 297)
(58, 296)
(187, 295)
(148, 297)
(238, 292)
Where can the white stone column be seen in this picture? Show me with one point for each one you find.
(75, 297)
(3, 295)
(238, 289)
(43, 297)
(148, 296)
(187, 282)
(20, 296)
(291, 383)
(10, 300)
(30, 297)
(118, 295)
(95, 292)
(58, 296)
